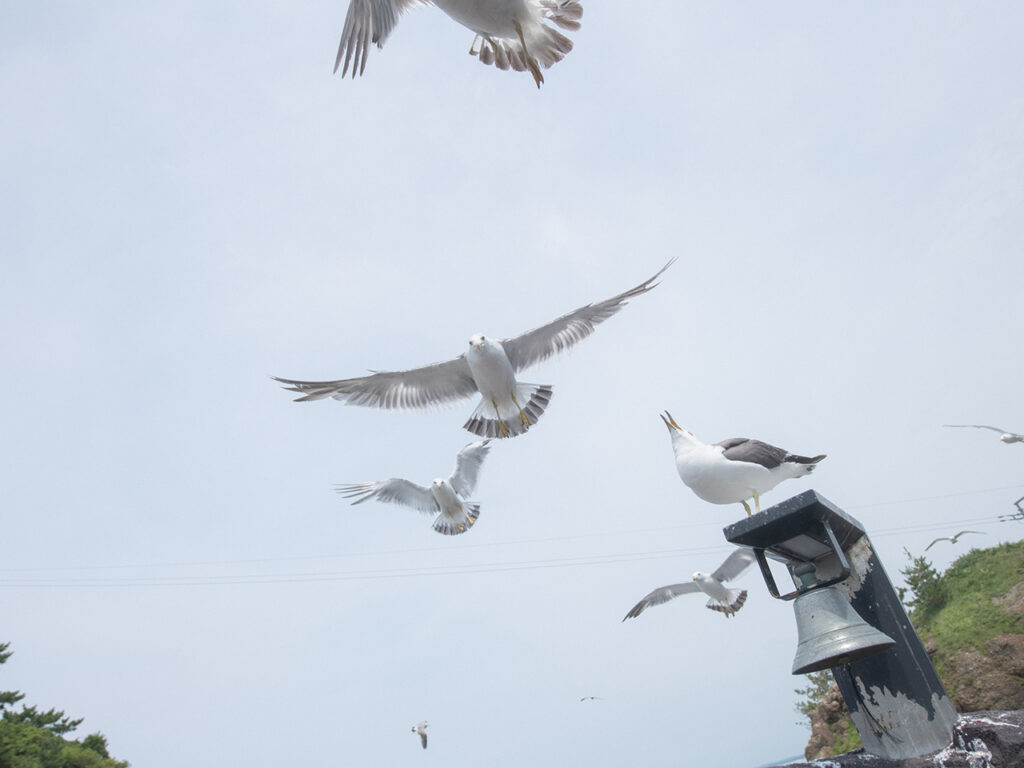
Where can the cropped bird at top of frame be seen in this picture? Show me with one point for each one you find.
(508, 407)
(511, 34)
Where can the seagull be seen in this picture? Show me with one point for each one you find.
(444, 498)
(590, 698)
(735, 469)
(507, 407)
(421, 729)
(1005, 436)
(513, 34)
(951, 539)
(723, 599)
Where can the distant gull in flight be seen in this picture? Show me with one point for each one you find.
(507, 407)
(1005, 436)
(733, 470)
(516, 34)
(723, 599)
(421, 729)
(590, 698)
(444, 498)
(951, 539)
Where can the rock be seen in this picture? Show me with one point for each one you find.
(979, 681)
(980, 740)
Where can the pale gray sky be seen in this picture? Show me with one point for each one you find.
(190, 203)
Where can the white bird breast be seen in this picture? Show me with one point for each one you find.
(446, 497)
(492, 372)
(712, 587)
(716, 479)
(487, 17)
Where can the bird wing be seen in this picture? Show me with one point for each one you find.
(735, 564)
(416, 388)
(467, 467)
(980, 426)
(753, 451)
(557, 336)
(368, 21)
(394, 490)
(936, 541)
(661, 595)
(957, 536)
(423, 738)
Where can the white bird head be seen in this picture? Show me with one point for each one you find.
(477, 341)
(679, 435)
(700, 576)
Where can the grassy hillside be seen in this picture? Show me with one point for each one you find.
(971, 621)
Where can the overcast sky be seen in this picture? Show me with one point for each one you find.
(191, 203)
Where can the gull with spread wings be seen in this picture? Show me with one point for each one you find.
(507, 407)
(1005, 435)
(511, 34)
(722, 599)
(447, 499)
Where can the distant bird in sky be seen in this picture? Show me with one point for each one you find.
(1005, 436)
(723, 599)
(421, 729)
(590, 698)
(507, 407)
(951, 539)
(516, 34)
(447, 499)
(733, 470)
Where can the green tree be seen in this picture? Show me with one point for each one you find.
(30, 738)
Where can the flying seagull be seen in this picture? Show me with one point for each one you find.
(723, 599)
(421, 729)
(444, 498)
(951, 539)
(1005, 436)
(516, 34)
(507, 407)
(590, 698)
(733, 470)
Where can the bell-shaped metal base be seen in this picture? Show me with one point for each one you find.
(831, 633)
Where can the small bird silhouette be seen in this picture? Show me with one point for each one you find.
(421, 729)
(951, 539)
(590, 698)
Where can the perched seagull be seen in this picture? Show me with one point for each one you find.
(723, 599)
(444, 498)
(507, 407)
(951, 539)
(1006, 437)
(513, 34)
(735, 469)
(421, 729)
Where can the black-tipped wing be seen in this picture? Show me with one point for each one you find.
(753, 451)
(467, 467)
(734, 564)
(395, 491)
(557, 336)
(367, 21)
(661, 595)
(416, 388)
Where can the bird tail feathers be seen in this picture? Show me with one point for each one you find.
(453, 526)
(533, 398)
(737, 597)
